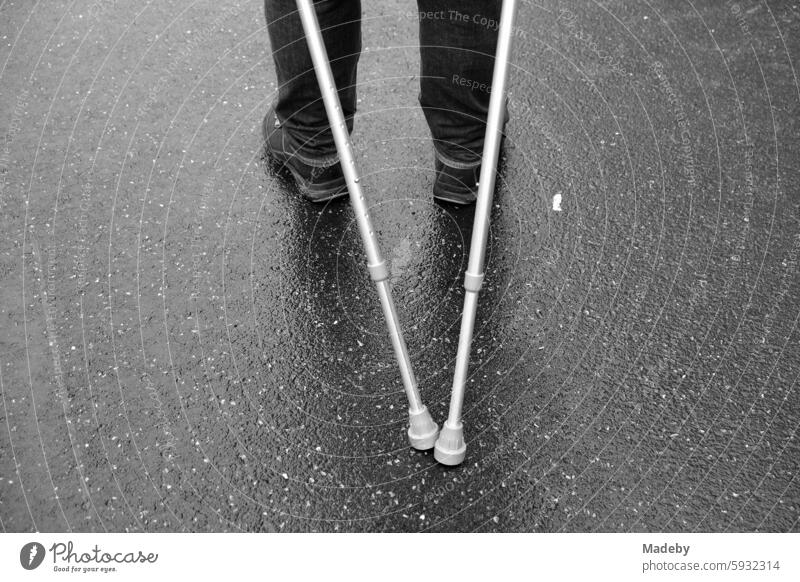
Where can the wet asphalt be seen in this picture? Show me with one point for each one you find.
(187, 345)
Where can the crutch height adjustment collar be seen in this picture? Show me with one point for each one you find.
(473, 282)
(379, 272)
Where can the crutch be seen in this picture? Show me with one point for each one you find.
(450, 447)
(422, 431)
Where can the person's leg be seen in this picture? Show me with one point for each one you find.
(457, 46)
(299, 107)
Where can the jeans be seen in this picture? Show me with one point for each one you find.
(457, 45)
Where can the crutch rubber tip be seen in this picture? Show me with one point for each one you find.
(422, 431)
(450, 448)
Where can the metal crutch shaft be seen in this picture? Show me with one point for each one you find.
(422, 430)
(450, 447)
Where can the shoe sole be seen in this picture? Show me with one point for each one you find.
(455, 199)
(321, 192)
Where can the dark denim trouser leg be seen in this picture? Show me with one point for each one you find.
(299, 106)
(457, 41)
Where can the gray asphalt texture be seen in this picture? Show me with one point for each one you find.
(186, 345)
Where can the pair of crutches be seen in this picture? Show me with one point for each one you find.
(423, 433)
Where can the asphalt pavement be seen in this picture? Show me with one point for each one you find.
(187, 345)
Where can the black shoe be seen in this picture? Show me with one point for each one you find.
(456, 185)
(460, 186)
(315, 184)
